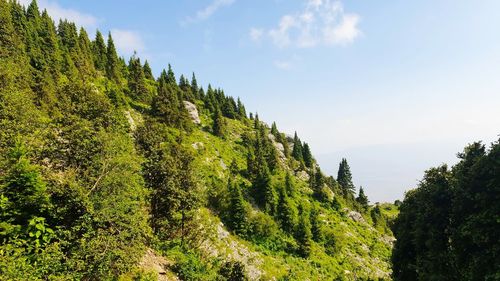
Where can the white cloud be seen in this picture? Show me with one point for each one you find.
(127, 41)
(57, 12)
(208, 11)
(321, 22)
(344, 33)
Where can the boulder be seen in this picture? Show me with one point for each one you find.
(193, 112)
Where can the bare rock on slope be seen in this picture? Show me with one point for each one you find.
(193, 112)
(355, 216)
(152, 262)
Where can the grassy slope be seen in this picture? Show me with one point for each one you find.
(362, 251)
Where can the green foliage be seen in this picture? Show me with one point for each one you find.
(112, 62)
(232, 271)
(287, 212)
(189, 266)
(238, 214)
(447, 227)
(307, 156)
(362, 199)
(297, 152)
(136, 80)
(344, 178)
(23, 192)
(304, 235)
(219, 124)
(109, 163)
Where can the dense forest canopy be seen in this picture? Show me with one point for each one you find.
(449, 227)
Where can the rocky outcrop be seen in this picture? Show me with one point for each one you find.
(193, 112)
(355, 216)
(151, 262)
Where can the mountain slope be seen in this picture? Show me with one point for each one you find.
(107, 172)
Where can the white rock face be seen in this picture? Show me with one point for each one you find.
(193, 112)
(355, 216)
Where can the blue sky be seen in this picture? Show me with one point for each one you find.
(394, 86)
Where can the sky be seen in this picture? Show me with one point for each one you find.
(396, 87)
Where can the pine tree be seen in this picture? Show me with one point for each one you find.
(167, 106)
(174, 190)
(112, 61)
(195, 89)
(362, 199)
(316, 230)
(307, 156)
(237, 212)
(270, 196)
(304, 235)
(242, 113)
(287, 213)
(171, 76)
(148, 73)
(274, 130)
(86, 52)
(136, 80)
(344, 178)
(256, 121)
(14, 65)
(219, 124)
(99, 52)
(297, 148)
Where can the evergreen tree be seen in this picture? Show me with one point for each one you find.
(219, 124)
(297, 148)
(112, 61)
(242, 113)
(171, 76)
(287, 213)
(304, 235)
(344, 178)
(195, 90)
(148, 73)
(85, 47)
(317, 184)
(362, 199)
(136, 80)
(307, 156)
(256, 121)
(316, 229)
(274, 130)
(167, 106)
(99, 52)
(237, 212)
(289, 185)
(174, 190)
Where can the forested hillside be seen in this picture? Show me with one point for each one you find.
(449, 227)
(110, 173)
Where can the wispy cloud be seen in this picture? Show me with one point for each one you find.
(207, 12)
(127, 41)
(320, 22)
(57, 12)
